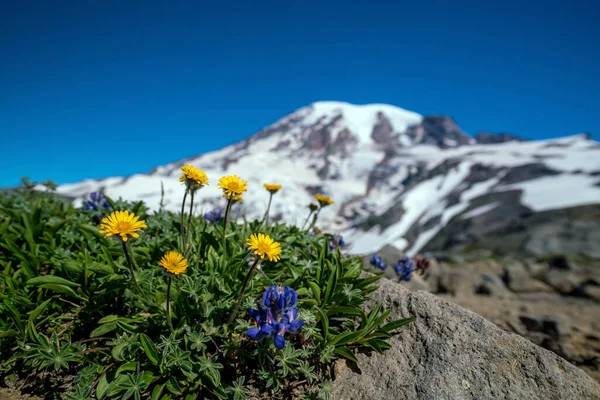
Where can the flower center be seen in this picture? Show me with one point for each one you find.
(264, 247)
(123, 226)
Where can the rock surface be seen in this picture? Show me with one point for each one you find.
(452, 353)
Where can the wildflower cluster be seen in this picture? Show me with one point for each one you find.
(96, 202)
(377, 261)
(404, 268)
(337, 241)
(145, 305)
(276, 315)
(214, 216)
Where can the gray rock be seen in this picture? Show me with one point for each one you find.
(452, 353)
(517, 278)
(459, 281)
(555, 326)
(417, 283)
(564, 282)
(591, 291)
(493, 285)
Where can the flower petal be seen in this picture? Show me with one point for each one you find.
(279, 342)
(254, 333)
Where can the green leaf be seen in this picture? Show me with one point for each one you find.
(316, 291)
(373, 314)
(390, 326)
(4, 226)
(173, 386)
(345, 310)
(127, 327)
(324, 322)
(149, 348)
(101, 268)
(51, 279)
(378, 345)
(38, 310)
(16, 316)
(347, 337)
(211, 240)
(331, 282)
(157, 391)
(103, 329)
(137, 207)
(7, 334)
(61, 289)
(102, 387)
(117, 351)
(129, 366)
(346, 353)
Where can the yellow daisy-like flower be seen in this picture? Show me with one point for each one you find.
(174, 262)
(272, 187)
(323, 200)
(193, 177)
(263, 246)
(122, 223)
(232, 185)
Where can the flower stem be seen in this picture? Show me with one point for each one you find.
(169, 280)
(190, 216)
(227, 210)
(182, 221)
(266, 217)
(307, 218)
(241, 296)
(314, 221)
(130, 263)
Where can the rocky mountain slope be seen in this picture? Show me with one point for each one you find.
(418, 183)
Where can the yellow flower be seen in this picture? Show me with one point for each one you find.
(262, 245)
(323, 200)
(232, 185)
(174, 262)
(193, 177)
(272, 187)
(122, 223)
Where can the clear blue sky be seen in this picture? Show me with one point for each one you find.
(90, 89)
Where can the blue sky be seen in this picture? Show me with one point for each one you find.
(90, 89)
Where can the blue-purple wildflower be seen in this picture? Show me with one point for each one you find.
(377, 261)
(214, 216)
(337, 241)
(276, 315)
(404, 268)
(96, 201)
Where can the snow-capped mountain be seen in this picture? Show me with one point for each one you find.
(396, 177)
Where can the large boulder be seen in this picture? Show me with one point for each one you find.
(452, 353)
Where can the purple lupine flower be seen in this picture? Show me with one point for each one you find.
(214, 216)
(377, 261)
(276, 315)
(336, 241)
(97, 204)
(404, 268)
(96, 201)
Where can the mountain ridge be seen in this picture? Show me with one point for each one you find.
(376, 161)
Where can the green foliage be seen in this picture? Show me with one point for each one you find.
(70, 316)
